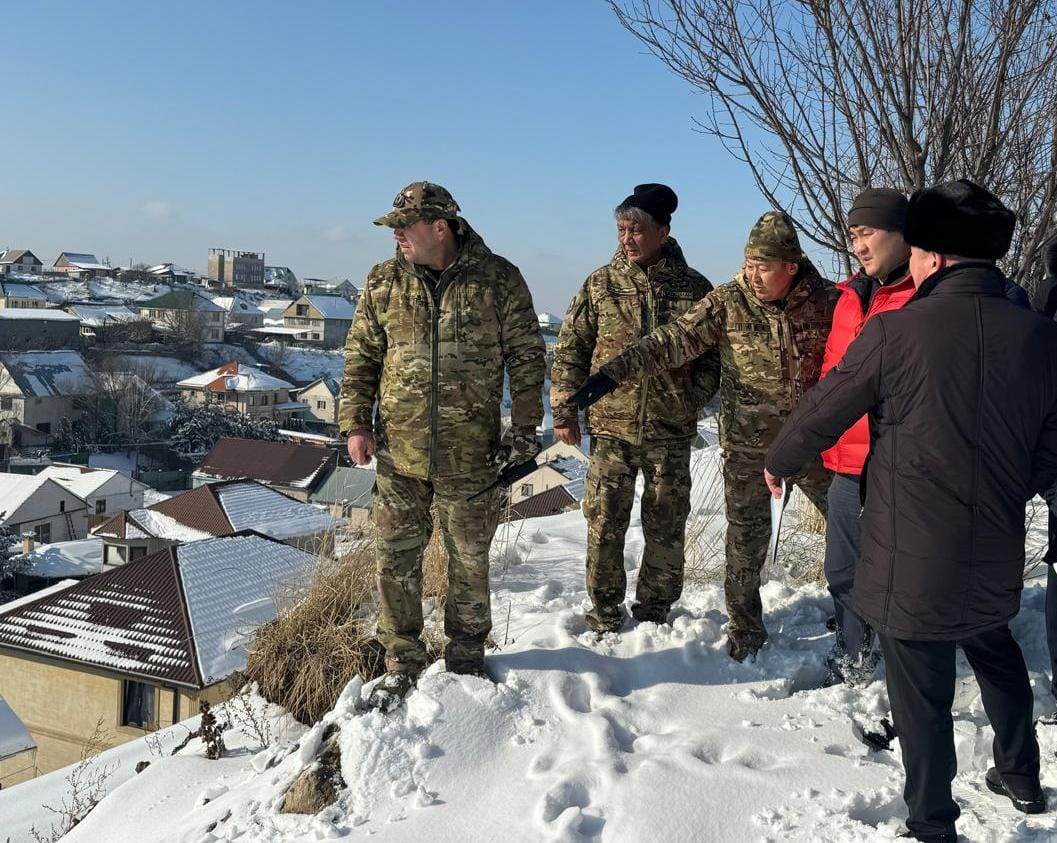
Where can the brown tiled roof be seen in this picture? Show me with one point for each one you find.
(131, 620)
(198, 508)
(272, 463)
(113, 526)
(550, 502)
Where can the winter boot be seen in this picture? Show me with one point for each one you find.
(938, 837)
(606, 620)
(391, 690)
(650, 614)
(1025, 796)
(470, 668)
(745, 645)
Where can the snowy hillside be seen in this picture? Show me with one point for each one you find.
(650, 735)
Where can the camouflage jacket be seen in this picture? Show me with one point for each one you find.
(617, 306)
(433, 356)
(769, 353)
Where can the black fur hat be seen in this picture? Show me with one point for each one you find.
(959, 218)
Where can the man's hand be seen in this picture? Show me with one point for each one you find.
(569, 433)
(774, 484)
(597, 386)
(361, 446)
(1050, 257)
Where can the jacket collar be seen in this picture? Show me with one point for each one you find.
(472, 251)
(969, 278)
(671, 264)
(806, 282)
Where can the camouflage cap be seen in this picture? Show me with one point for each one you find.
(420, 200)
(773, 238)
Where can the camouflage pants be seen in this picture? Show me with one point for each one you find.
(403, 524)
(610, 492)
(749, 532)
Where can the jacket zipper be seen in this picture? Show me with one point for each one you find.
(648, 320)
(892, 528)
(973, 509)
(436, 295)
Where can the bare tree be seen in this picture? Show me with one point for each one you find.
(188, 330)
(821, 98)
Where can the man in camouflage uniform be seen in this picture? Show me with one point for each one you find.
(647, 424)
(435, 328)
(770, 326)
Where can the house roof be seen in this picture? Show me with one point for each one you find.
(77, 558)
(345, 485)
(98, 315)
(14, 736)
(550, 502)
(40, 374)
(16, 255)
(36, 314)
(219, 509)
(237, 305)
(82, 260)
(85, 482)
(235, 377)
(549, 319)
(181, 300)
(22, 291)
(570, 467)
(332, 307)
(333, 387)
(271, 463)
(170, 269)
(179, 616)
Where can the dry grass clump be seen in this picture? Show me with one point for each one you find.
(321, 638)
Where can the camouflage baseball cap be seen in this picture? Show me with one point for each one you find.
(420, 200)
(773, 238)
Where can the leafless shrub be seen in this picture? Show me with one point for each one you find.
(242, 713)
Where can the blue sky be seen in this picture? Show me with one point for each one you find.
(155, 131)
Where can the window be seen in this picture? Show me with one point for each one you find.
(137, 705)
(264, 400)
(100, 506)
(62, 506)
(136, 553)
(315, 336)
(7, 403)
(526, 490)
(42, 534)
(321, 405)
(302, 310)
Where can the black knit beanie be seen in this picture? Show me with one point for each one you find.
(657, 200)
(879, 207)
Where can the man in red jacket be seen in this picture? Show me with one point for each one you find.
(875, 223)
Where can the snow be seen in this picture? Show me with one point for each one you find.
(164, 526)
(47, 373)
(230, 585)
(153, 496)
(102, 288)
(16, 489)
(14, 736)
(82, 483)
(247, 379)
(162, 369)
(305, 365)
(99, 315)
(122, 462)
(21, 291)
(78, 558)
(650, 735)
(332, 307)
(55, 588)
(36, 314)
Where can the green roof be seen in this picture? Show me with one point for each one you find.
(180, 300)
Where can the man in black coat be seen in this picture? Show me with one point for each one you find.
(961, 390)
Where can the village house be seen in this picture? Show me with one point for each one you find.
(48, 564)
(38, 328)
(18, 750)
(347, 493)
(327, 319)
(241, 312)
(549, 323)
(40, 506)
(105, 490)
(38, 388)
(560, 465)
(15, 294)
(80, 265)
(138, 647)
(170, 273)
(244, 389)
(20, 262)
(216, 509)
(179, 310)
(321, 397)
(320, 286)
(103, 321)
(551, 502)
(281, 278)
(295, 470)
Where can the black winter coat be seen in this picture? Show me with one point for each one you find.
(961, 388)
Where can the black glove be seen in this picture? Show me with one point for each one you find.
(596, 387)
(1050, 258)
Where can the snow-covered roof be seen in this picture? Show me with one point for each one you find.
(78, 558)
(237, 305)
(17, 256)
(16, 489)
(332, 307)
(281, 331)
(235, 377)
(38, 374)
(170, 269)
(36, 314)
(22, 291)
(181, 300)
(251, 506)
(82, 260)
(549, 319)
(178, 616)
(99, 315)
(14, 736)
(85, 482)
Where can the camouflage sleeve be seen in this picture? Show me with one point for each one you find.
(365, 348)
(675, 344)
(705, 371)
(572, 356)
(523, 351)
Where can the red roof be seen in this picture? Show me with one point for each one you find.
(271, 463)
(550, 502)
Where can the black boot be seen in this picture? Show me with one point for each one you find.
(1025, 796)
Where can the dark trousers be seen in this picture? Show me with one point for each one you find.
(921, 680)
(1051, 594)
(843, 547)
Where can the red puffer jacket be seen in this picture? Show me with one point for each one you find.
(849, 454)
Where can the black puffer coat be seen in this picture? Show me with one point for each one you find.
(961, 388)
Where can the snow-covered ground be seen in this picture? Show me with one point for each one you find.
(650, 735)
(305, 365)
